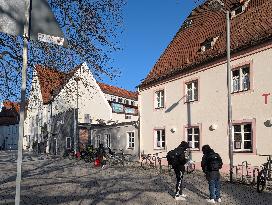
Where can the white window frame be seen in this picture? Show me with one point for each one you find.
(130, 140)
(240, 79)
(243, 137)
(108, 140)
(194, 89)
(98, 140)
(159, 99)
(159, 144)
(67, 144)
(193, 141)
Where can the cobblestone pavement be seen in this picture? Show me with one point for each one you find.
(63, 181)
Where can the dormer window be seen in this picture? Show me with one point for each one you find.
(120, 100)
(187, 23)
(208, 44)
(239, 8)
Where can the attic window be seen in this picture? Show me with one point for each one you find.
(187, 23)
(239, 8)
(208, 44)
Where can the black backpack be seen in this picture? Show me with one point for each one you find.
(176, 157)
(214, 162)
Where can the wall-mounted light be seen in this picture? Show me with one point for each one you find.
(268, 123)
(213, 127)
(173, 129)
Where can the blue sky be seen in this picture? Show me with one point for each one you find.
(149, 26)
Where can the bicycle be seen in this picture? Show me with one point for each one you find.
(150, 160)
(265, 174)
(118, 158)
(190, 166)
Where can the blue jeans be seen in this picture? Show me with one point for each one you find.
(214, 188)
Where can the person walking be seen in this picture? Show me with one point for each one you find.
(211, 164)
(177, 159)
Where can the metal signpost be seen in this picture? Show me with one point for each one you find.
(16, 18)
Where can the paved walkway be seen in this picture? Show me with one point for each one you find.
(58, 181)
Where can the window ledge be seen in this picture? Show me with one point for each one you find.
(159, 148)
(159, 108)
(130, 148)
(242, 92)
(192, 101)
(243, 152)
(195, 150)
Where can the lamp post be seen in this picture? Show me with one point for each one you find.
(76, 141)
(218, 5)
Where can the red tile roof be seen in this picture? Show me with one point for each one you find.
(252, 27)
(9, 114)
(8, 105)
(109, 89)
(53, 80)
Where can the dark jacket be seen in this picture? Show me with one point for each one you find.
(182, 161)
(204, 165)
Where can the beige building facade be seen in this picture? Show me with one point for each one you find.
(187, 100)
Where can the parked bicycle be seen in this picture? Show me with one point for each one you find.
(265, 174)
(150, 160)
(115, 159)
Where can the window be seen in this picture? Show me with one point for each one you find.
(192, 91)
(87, 118)
(187, 23)
(127, 102)
(131, 140)
(193, 136)
(132, 102)
(159, 142)
(208, 44)
(240, 79)
(238, 8)
(113, 98)
(108, 140)
(117, 107)
(120, 100)
(127, 116)
(242, 137)
(98, 140)
(159, 99)
(68, 142)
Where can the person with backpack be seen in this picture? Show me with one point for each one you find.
(211, 164)
(177, 159)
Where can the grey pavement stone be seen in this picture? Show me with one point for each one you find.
(63, 181)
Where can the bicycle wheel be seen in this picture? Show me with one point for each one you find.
(190, 168)
(127, 160)
(70, 156)
(261, 181)
(145, 164)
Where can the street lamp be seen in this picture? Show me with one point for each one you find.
(218, 5)
(76, 141)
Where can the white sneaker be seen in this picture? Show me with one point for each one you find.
(211, 201)
(183, 195)
(180, 198)
(219, 200)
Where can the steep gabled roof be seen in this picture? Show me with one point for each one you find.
(52, 81)
(109, 89)
(252, 27)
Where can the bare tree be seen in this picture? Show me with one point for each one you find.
(91, 28)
